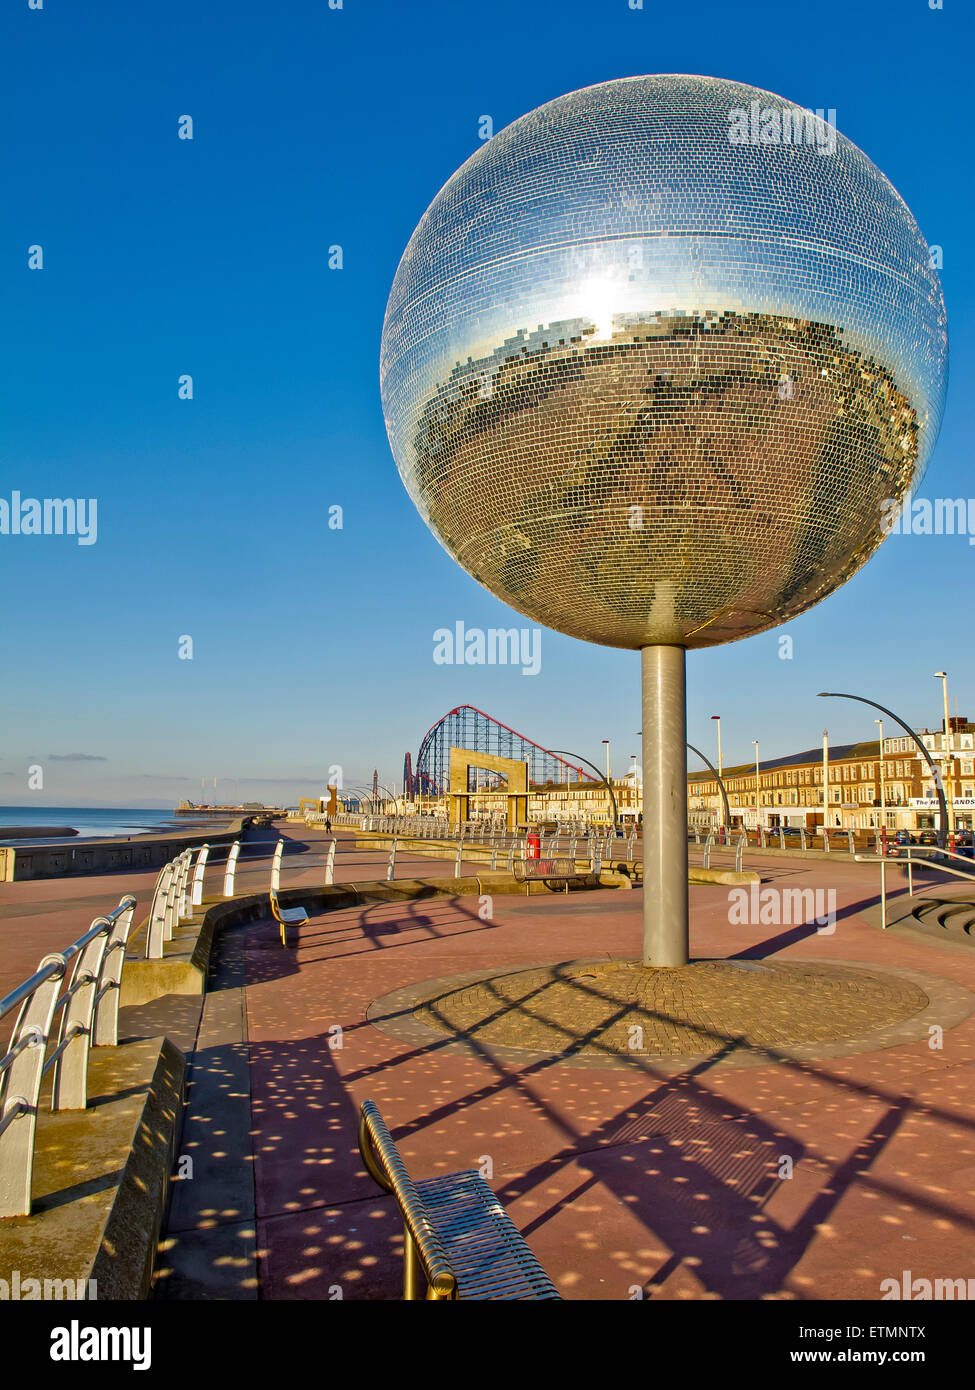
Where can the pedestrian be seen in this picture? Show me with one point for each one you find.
(328, 826)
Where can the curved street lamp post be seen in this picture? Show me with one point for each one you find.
(935, 773)
(564, 753)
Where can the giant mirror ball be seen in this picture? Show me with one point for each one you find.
(657, 356)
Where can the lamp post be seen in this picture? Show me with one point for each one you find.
(721, 786)
(758, 793)
(949, 777)
(717, 719)
(727, 821)
(563, 752)
(924, 752)
(883, 795)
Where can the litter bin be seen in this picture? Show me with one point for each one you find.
(534, 846)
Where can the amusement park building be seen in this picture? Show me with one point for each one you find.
(790, 792)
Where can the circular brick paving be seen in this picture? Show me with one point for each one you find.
(621, 1006)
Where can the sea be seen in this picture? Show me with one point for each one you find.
(92, 821)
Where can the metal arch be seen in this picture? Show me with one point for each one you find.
(724, 794)
(935, 773)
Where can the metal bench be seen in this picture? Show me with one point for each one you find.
(529, 871)
(459, 1241)
(284, 916)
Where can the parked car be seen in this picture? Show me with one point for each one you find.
(927, 837)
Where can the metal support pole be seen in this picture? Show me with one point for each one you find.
(665, 903)
(330, 864)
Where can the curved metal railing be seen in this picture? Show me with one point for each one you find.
(82, 984)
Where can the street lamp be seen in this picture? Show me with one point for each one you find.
(564, 752)
(726, 818)
(949, 778)
(758, 812)
(606, 741)
(925, 754)
(717, 719)
(883, 795)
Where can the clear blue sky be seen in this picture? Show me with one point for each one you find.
(165, 256)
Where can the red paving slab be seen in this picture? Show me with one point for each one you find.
(619, 1179)
(39, 916)
(666, 1184)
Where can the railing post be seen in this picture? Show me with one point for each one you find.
(460, 855)
(69, 1087)
(330, 864)
(391, 866)
(104, 1031)
(198, 873)
(20, 1086)
(154, 926)
(172, 900)
(231, 870)
(849, 837)
(802, 838)
(184, 885)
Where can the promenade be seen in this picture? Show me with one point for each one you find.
(628, 1178)
(782, 1172)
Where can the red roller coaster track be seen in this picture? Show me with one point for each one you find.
(466, 726)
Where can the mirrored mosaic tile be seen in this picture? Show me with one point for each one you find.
(647, 384)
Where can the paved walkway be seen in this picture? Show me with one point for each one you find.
(791, 1179)
(668, 1179)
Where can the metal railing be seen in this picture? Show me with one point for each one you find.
(930, 861)
(82, 984)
